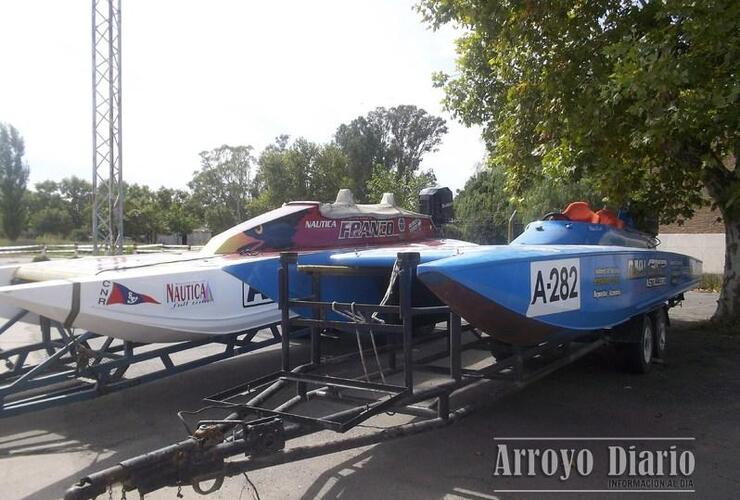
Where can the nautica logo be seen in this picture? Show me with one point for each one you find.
(189, 294)
(320, 224)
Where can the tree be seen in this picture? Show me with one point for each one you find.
(395, 138)
(405, 189)
(302, 170)
(223, 186)
(13, 179)
(482, 208)
(329, 173)
(46, 194)
(543, 196)
(61, 208)
(77, 193)
(51, 220)
(361, 143)
(142, 216)
(178, 212)
(638, 97)
(272, 180)
(181, 222)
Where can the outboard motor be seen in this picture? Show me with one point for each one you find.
(437, 203)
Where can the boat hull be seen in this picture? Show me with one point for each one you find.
(194, 297)
(170, 302)
(525, 295)
(164, 298)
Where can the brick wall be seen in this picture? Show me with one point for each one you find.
(704, 221)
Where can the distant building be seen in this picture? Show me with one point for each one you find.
(702, 237)
(198, 237)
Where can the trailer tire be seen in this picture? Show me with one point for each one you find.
(660, 332)
(638, 356)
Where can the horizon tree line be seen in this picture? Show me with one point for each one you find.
(380, 151)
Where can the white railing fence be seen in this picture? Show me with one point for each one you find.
(79, 249)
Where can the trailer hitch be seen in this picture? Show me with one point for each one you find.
(184, 467)
(174, 465)
(203, 462)
(265, 436)
(189, 462)
(258, 437)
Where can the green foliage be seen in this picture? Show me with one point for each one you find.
(77, 194)
(179, 213)
(150, 213)
(142, 217)
(302, 170)
(232, 185)
(543, 197)
(710, 282)
(61, 208)
(13, 179)
(330, 173)
(52, 220)
(482, 208)
(405, 189)
(639, 98)
(222, 187)
(396, 138)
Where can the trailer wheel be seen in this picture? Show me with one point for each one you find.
(638, 355)
(660, 326)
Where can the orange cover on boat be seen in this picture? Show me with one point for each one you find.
(610, 218)
(579, 211)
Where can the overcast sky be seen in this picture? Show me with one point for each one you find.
(198, 74)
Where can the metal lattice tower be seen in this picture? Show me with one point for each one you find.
(107, 216)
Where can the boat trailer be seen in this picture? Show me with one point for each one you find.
(436, 377)
(78, 366)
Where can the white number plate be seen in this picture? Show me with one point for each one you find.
(554, 287)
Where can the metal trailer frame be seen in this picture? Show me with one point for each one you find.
(264, 414)
(86, 365)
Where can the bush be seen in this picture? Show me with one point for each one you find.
(710, 282)
(80, 235)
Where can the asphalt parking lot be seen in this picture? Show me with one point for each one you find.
(695, 395)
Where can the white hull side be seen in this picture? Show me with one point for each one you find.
(8, 310)
(162, 303)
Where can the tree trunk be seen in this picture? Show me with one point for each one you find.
(728, 305)
(722, 183)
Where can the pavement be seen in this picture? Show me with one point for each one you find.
(694, 395)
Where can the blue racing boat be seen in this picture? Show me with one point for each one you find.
(573, 274)
(559, 278)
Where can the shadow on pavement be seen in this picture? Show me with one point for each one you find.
(694, 394)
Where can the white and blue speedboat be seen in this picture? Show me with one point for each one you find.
(559, 277)
(579, 272)
(202, 295)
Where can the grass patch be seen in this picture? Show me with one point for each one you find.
(49, 239)
(710, 283)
